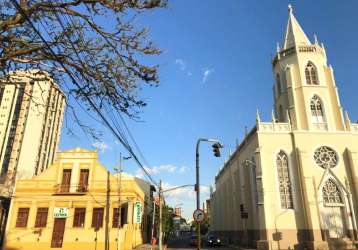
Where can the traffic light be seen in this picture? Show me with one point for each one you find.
(216, 149)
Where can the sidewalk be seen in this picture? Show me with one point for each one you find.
(240, 248)
(144, 247)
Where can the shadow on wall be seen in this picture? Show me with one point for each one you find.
(337, 244)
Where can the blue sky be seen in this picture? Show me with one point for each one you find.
(215, 71)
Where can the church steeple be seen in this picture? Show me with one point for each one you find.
(294, 34)
(305, 91)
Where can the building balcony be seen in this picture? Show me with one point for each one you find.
(274, 127)
(320, 126)
(61, 189)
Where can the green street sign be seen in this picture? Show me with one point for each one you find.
(138, 213)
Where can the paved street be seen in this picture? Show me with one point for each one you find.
(183, 242)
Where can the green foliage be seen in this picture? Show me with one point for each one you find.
(167, 215)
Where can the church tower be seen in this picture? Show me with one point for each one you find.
(305, 91)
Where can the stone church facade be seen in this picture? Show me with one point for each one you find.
(293, 182)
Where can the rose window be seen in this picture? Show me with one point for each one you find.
(325, 157)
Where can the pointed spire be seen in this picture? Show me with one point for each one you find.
(288, 116)
(273, 116)
(258, 120)
(258, 116)
(294, 33)
(322, 46)
(315, 39)
(347, 121)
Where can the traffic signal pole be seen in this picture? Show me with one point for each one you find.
(216, 149)
(197, 189)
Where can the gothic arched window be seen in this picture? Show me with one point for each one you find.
(284, 180)
(311, 74)
(331, 193)
(317, 110)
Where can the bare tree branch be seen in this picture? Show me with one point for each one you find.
(107, 61)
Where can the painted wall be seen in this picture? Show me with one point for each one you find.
(43, 191)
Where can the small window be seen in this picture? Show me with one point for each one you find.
(41, 217)
(83, 183)
(97, 217)
(124, 214)
(79, 217)
(66, 180)
(22, 216)
(115, 222)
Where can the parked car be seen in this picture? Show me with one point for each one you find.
(213, 240)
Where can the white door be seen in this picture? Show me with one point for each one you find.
(334, 222)
(332, 210)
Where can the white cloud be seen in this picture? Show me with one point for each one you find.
(186, 193)
(186, 196)
(183, 169)
(100, 146)
(180, 63)
(182, 66)
(166, 168)
(206, 74)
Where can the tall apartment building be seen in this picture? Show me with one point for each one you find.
(31, 113)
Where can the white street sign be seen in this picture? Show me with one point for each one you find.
(199, 215)
(60, 212)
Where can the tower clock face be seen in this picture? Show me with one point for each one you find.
(326, 157)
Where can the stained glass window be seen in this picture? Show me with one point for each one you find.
(284, 180)
(331, 193)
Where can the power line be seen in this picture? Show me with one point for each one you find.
(90, 101)
(114, 120)
(108, 110)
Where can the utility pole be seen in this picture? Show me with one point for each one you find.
(106, 243)
(119, 176)
(119, 182)
(160, 217)
(153, 225)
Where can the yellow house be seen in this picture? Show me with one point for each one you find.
(293, 182)
(74, 204)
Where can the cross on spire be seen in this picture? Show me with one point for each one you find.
(290, 9)
(294, 33)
